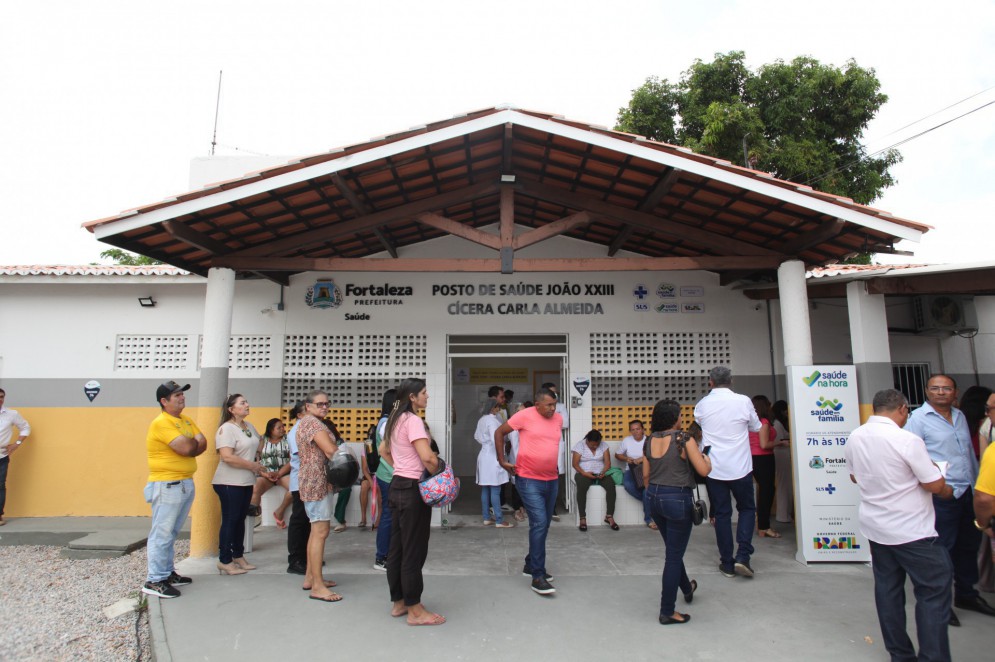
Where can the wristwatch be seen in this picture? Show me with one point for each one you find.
(978, 526)
(18, 442)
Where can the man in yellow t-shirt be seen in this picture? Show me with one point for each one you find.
(984, 494)
(173, 441)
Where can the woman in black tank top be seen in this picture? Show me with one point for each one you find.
(669, 484)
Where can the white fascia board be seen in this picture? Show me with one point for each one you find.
(311, 172)
(731, 178)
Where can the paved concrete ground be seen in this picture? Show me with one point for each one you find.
(81, 537)
(608, 588)
(607, 602)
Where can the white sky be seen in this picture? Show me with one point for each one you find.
(105, 102)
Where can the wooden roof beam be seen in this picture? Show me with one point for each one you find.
(649, 203)
(806, 240)
(370, 221)
(296, 264)
(458, 229)
(557, 227)
(506, 151)
(673, 229)
(385, 241)
(191, 237)
(620, 239)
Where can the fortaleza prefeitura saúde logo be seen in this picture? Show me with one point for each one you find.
(834, 379)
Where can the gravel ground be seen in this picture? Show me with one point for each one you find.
(51, 608)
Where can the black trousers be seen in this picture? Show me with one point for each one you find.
(298, 531)
(410, 528)
(763, 473)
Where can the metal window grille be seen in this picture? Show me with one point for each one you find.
(910, 379)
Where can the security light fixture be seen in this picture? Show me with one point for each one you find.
(146, 302)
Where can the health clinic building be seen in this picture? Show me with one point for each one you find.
(503, 246)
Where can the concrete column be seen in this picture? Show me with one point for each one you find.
(218, 304)
(795, 326)
(869, 342)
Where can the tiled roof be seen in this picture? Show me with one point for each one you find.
(542, 171)
(852, 269)
(90, 270)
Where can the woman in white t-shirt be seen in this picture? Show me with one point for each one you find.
(591, 459)
(238, 444)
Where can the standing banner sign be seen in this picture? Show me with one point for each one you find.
(825, 409)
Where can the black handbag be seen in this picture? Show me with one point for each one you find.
(699, 508)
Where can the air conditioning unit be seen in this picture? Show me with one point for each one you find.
(950, 313)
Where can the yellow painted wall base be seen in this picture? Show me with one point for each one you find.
(866, 411)
(91, 462)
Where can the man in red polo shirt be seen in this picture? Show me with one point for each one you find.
(537, 476)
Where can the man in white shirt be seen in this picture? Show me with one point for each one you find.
(896, 478)
(726, 420)
(9, 419)
(630, 451)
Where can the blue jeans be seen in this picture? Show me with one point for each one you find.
(955, 528)
(234, 509)
(383, 530)
(490, 499)
(722, 492)
(629, 484)
(171, 501)
(4, 464)
(927, 564)
(670, 508)
(538, 497)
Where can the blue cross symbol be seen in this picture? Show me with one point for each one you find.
(830, 488)
(640, 292)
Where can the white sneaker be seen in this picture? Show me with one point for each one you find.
(506, 508)
(488, 522)
(504, 525)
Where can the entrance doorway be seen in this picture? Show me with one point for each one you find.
(520, 363)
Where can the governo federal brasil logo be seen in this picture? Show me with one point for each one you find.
(834, 379)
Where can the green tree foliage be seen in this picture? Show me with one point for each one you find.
(127, 259)
(801, 121)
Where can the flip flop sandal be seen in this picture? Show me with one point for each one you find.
(438, 620)
(328, 584)
(333, 597)
(612, 524)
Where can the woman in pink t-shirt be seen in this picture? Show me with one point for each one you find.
(407, 443)
(762, 449)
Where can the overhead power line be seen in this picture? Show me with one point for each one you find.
(846, 166)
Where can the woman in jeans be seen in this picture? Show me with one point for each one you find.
(669, 487)
(238, 444)
(409, 452)
(384, 474)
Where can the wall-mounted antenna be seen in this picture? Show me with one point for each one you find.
(217, 105)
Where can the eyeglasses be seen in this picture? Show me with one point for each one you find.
(940, 389)
(326, 403)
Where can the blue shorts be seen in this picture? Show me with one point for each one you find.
(319, 511)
